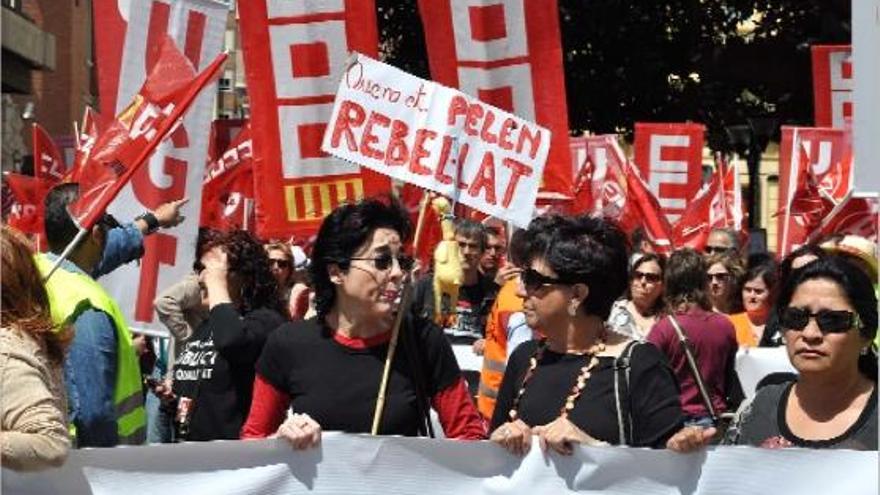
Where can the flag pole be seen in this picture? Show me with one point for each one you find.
(398, 320)
(67, 250)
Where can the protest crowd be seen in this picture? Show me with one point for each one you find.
(595, 320)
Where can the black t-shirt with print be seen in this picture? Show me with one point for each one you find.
(215, 370)
(467, 321)
(654, 403)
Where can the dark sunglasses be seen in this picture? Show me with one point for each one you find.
(280, 263)
(829, 321)
(651, 278)
(715, 250)
(384, 261)
(722, 277)
(533, 280)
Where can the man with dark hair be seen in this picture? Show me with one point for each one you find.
(465, 323)
(722, 241)
(102, 374)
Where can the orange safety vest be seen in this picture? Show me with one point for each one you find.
(495, 350)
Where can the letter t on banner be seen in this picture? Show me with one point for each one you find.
(508, 54)
(669, 156)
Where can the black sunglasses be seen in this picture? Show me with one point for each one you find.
(280, 263)
(652, 278)
(716, 250)
(829, 321)
(722, 277)
(384, 261)
(533, 280)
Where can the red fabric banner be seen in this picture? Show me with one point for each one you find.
(829, 152)
(600, 185)
(704, 212)
(228, 189)
(26, 212)
(507, 54)
(170, 88)
(832, 85)
(670, 158)
(295, 53)
(93, 125)
(48, 163)
(643, 210)
(857, 216)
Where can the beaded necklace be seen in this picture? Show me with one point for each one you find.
(579, 383)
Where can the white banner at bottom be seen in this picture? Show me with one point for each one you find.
(360, 464)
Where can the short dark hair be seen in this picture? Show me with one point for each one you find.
(587, 249)
(472, 230)
(342, 233)
(517, 249)
(857, 287)
(641, 259)
(785, 268)
(57, 222)
(684, 280)
(766, 269)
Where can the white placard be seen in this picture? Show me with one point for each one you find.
(438, 138)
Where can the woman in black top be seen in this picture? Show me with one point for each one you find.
(828, 313)
(214, 374)
(563, 388)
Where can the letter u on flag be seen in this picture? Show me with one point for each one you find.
(127, 143)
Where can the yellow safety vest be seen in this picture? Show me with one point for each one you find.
(70, 294)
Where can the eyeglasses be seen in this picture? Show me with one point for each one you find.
(281, 263)
(721, 277)
(716, 250)
(829, 321)
(384, 261)
(651, 278)
(533, 280)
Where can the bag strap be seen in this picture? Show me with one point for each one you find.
(695, 370)
(622, 366)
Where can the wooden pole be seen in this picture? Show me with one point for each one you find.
(398, 320)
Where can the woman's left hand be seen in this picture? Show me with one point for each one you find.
(561, 434)
(301, 431)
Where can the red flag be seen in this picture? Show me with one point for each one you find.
(47, 160)
(704, 212)
(810, 204)
(857, 216)
(26, 213)
(606, 164)
(93, 125)
(411, 196)
(228, 188)
(156, 110)
(643, 210)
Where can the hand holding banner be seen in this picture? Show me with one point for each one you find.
(437, 138)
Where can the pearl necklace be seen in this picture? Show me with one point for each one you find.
(579, 384)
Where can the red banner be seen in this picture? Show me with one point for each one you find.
(507, 54)
(857, 216)
(832, 85)
(223, 132)
(228, 190)
(829, 153)
(643, 210)
(127, 144)
(670, 158)
(295, 53)
(48, 163)
(600, 185)
(26, 212)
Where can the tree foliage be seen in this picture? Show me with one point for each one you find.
(669, 60)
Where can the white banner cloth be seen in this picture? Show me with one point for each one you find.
(753, 364)
(388, 465)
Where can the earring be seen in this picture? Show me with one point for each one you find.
(572, 311)
(864, 351)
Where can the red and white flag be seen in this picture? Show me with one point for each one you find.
(828, 153)
(670, 158)
(26, 211)
(48, 163)
(857, 216)
(295, 53)
(126, 145)
(228, 190)
(808, 206)
(643, 210)
(600, 186)
(705, 212)
(507, 53)
(832, 85)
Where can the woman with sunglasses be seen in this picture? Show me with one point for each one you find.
(281, 266)
(582, 383)
(328, 368)
(214, 373)
(635, 314)
(725, 272)
(828, 312)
